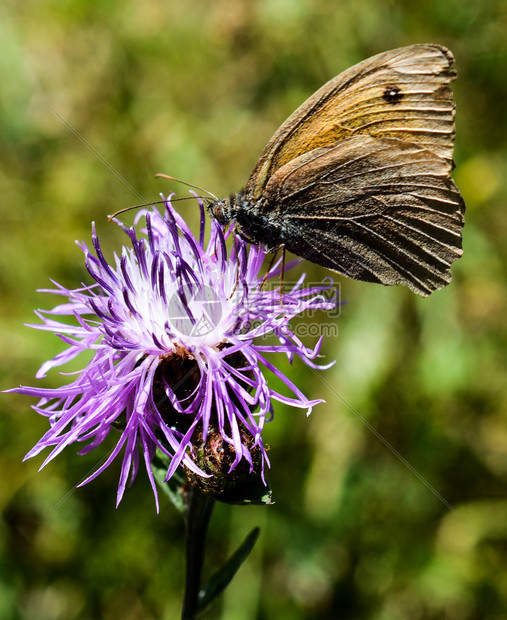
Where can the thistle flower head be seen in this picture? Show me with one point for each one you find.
(177, 328)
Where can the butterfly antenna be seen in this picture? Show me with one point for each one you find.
(149, 204)
(201, 189)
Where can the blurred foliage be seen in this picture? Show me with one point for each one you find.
(97, 97)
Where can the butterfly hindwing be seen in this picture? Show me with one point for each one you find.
(374, 209)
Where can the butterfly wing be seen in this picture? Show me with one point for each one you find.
(403, 93)
(374, 209)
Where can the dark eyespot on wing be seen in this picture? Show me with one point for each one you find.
(392, 95)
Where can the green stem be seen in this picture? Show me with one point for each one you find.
(198, 515)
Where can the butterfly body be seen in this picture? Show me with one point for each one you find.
(358, 178)
(253, 218)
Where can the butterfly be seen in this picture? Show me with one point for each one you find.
(358, 180)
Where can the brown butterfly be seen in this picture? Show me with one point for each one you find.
(358, 178)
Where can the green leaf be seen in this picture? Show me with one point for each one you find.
(224, 575)
(175, 488)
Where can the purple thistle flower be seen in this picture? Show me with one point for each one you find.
(176, 328)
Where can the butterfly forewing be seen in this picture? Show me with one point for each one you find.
(404, 93)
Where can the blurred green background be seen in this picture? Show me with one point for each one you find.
(195, 89)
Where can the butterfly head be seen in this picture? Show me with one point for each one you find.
(222, 211)
(252, 222)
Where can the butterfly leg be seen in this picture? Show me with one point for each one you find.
(237, 270)
(273, 251)
(281, 275)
